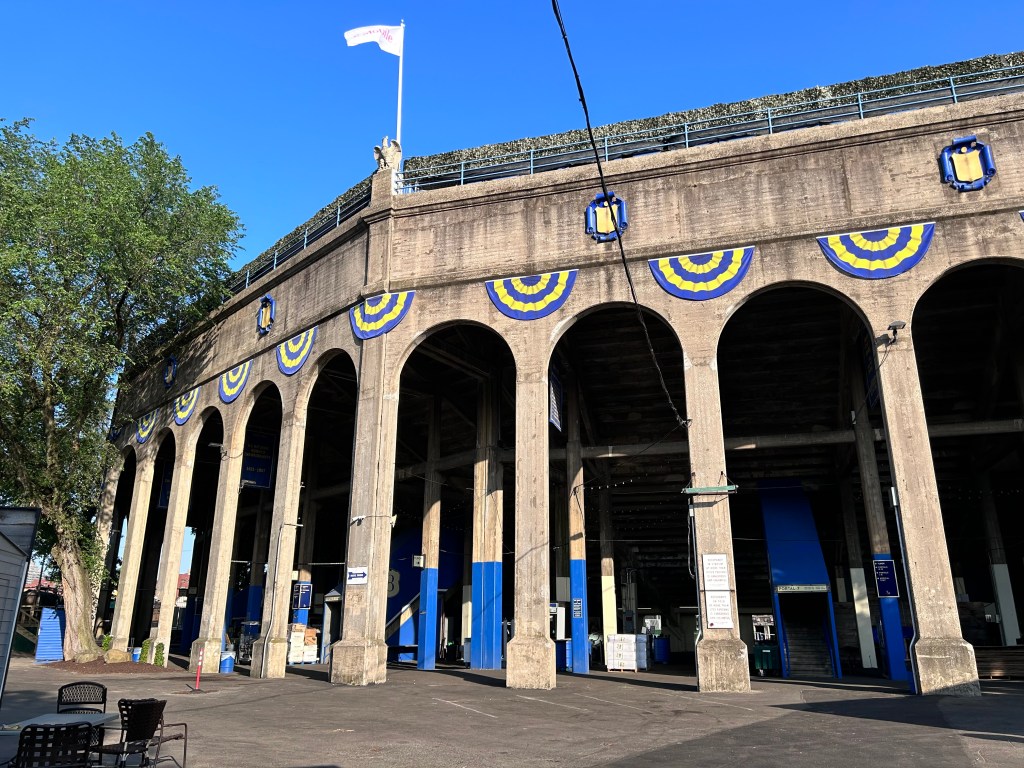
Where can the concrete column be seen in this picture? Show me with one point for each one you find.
(426, 635)
(174, 534)
(270, 651)
(577, 535)
(1001, 586)
(105, 520)
(609, 610)
(131, 563)
(222, 540)
(874, 512)
(531, 653)
(260, 542)
(943, 662)
(858, 582)
(307, 536)
(721, 655)
(488, 504)
(360, 657)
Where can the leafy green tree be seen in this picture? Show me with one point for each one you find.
(107, 253)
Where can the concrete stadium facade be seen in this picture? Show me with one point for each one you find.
(777, 193)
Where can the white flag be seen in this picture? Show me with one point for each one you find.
(388, 38)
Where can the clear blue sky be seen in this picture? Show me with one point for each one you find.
(265, 101)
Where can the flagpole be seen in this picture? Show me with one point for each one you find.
(401, 55)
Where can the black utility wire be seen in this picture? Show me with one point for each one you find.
(611, 209)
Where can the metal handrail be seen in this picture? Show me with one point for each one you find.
(768, 120)
(759, 122)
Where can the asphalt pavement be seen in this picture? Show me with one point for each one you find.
(457, 717)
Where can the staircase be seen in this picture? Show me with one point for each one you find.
(808, 651)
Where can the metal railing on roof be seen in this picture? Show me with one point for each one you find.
(309, 236)
(761, 122)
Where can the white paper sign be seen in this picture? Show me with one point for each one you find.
(357, 575)
(716, 572)
(719, 610)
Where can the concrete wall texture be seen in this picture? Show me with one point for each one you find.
(777, 193)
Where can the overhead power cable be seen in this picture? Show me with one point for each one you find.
(615, 223)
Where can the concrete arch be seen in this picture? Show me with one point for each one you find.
(813, 285)
(395, 374)
(562, 327)
(193, 431)
(306, 385)
(981, 261)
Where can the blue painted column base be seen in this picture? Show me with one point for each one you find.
(578, 609)
(485, 647)
(892, 633)
(426, 634)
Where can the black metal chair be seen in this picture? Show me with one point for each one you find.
(77, 697)
(143, 733)
(49, 746)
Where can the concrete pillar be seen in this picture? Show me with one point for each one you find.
(609, 610)
(307, 536)
(858, 582)
(721, 655)
(426, 635)
(131, 562)
(488, 503)
(943, 662)
(531, 653)
(174, 534)
(360, 657)
(874, 511)
(222, 540)
(259, 559)
(270, 651)
(1001, 586)
(105, 520)
(577, 535)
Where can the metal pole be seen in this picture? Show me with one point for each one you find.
(401, 55)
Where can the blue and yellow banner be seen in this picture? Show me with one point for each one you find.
(144, 426)
(293, 353)
(233, 382)
(704, 275)
(878, 253)
(185, 405)
(380, 314)
(533, 296)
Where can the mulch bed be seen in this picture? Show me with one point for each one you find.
(100, 667)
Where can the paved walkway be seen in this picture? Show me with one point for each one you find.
(463, 718)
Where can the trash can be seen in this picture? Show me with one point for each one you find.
(227, 660)
(137, 654)
(662, 650)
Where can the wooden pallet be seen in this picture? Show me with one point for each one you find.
(998, 662)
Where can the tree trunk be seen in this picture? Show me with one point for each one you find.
(77, 587)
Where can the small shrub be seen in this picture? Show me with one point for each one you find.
(158, 656)
(146, 645)
(106, 643)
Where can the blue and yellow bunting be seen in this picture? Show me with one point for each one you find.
(704, 275)
(533, 296)
(878, 253)
(233, 382)
(293, 353)
(380, 314)
(144, 426)
(185, 405)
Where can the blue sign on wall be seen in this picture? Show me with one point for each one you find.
(885, 578)
(258, 460)
(302, 594)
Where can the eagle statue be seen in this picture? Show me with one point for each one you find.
(388, 155)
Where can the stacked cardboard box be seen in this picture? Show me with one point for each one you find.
(626, 652)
